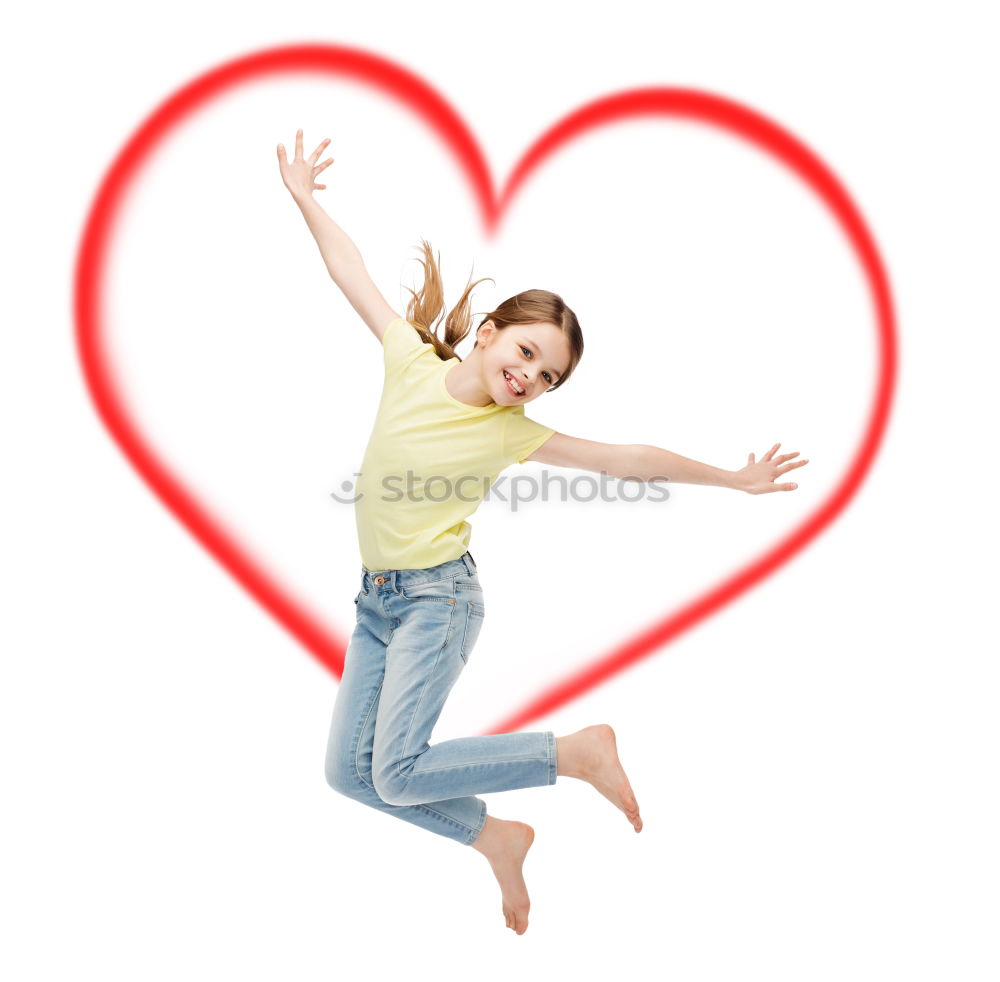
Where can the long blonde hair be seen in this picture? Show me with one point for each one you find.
(528, 307)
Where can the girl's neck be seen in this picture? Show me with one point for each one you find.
(463, 383)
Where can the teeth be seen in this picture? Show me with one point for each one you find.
(520, 391)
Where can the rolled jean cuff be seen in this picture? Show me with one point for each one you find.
(477, 831)
(551, 743)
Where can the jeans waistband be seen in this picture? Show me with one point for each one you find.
(450, 567)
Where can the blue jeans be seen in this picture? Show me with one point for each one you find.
(415, 631)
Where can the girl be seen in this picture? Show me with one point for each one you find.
(420, 607)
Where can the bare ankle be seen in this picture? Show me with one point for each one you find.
(564, 757)
(486, 840)
(570, 757)
(500, 838)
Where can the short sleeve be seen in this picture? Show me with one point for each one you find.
(523, 436)
(401, 346)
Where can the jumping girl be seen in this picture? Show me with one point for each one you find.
(420, 607)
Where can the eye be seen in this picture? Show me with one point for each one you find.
(528, 352)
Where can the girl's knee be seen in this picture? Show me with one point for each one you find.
(344, 776)
(389, 781)
(392, 790)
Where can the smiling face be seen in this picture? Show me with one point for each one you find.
(530, 357)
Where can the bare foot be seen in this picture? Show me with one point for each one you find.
(591, 754)
(505, 844)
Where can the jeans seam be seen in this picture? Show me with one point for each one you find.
(482, 822)
(478, 763)
(444, 818)
(413, 715)
(357, 737)
(488, 763)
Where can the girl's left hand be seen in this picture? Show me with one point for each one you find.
(758, 478)
(300, 175)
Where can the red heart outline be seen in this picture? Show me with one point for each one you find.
(410, 90)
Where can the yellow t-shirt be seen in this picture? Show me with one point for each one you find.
(430, 458)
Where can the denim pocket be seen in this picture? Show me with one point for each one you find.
(440, 591)
(476, 612)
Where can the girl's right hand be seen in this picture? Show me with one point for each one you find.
(300, 175)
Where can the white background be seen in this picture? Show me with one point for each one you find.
(816, 765)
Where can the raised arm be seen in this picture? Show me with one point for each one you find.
(341, 255)
(640, 462)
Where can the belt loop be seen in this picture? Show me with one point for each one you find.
(470, 563)
(392, 580)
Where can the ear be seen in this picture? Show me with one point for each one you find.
(490, 330)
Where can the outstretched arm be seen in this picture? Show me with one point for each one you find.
(640, 462)
(341, 255)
